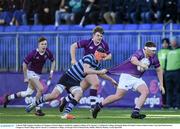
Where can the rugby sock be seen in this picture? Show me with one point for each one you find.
(70, 106)
(38, 108)
(12, 96)
(69, 98)
(40, 100)
(93, 96)
(100, 105)
(135, 111)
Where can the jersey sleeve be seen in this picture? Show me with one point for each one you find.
(88, 60)
(82, 43)
(156, 62)
(138, 54)
(107, 48)
(29, 57)
(50, 55)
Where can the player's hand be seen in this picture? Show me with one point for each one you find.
(73, 62)
(162, 89)
(103, 71)
(114, 83)
(25, 80)
(144, 66)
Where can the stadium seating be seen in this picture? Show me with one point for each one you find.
(37, 28)
(145, 27)
(157, 26)
(117, 27)
(131, 27)
(1, 28)
(50, 28)
(10, 29)
(89, 27)
(23, 28)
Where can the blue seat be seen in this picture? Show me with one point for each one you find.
(117, 27)
(10, 28)
(23, 28)
(63, 27)
(131, 27)
(176, 27)
(105, 26)
(157, 26)
(1, 28)
(89, 27)
(144, 27)
(36, 28)
(50, 28)
(76, 27)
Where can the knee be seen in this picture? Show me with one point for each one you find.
(118, 95)
(95, 85)
(145, 92)
(40, 89)
(53, 96)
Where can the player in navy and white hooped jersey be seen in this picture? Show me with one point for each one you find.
(90, 46)
(130, 78)
(74, 78)
(32, 68)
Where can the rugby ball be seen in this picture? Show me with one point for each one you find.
(144, 61)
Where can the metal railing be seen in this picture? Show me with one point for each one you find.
(14, 46)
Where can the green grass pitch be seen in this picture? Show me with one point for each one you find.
(18, 115)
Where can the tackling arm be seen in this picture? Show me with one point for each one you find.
(73, 52)
(88, 70)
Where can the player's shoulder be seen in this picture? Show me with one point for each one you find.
(104, 42)
(89, 56)
(34, 51)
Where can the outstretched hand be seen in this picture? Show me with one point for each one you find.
(162, 89)
(114, 83)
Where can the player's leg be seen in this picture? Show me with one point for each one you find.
(144, 91)
(84, 85)
(47, 97)
(29, 91)
(77, 93)
(39, 88)
(123, 87)
(110, 99)
(94, 82)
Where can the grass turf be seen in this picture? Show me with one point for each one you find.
(18, 115)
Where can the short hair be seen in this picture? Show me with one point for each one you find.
(101, 50)
(150, 44)
(41, 39)
(165, 39)
(98, 29)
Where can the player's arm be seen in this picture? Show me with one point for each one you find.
(135, 61)
(52, 69)
(73, 52)
(108, 57)
(159, 72)
(25, 67)
(105, 76)
(88, 70)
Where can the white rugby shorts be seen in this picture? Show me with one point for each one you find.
(127, 82)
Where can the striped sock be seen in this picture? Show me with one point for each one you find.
(40, 100)
(12, 96)
(93, 96)
(70, 106)
(135, 110)
(69, 97)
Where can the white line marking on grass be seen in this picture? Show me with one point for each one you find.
(124, 116)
